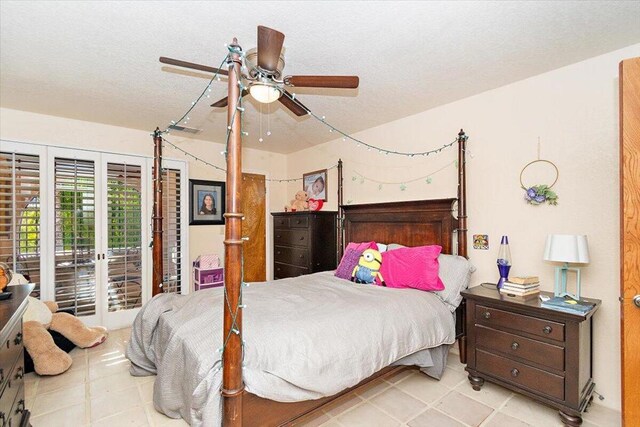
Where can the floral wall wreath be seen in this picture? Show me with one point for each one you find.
(539, 194)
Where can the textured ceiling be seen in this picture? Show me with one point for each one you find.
(98, 61)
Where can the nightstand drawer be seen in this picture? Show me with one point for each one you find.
(294, 256)
(291, 237)
(523, 375)
(285, 270)
(503, 319)
(544, 354)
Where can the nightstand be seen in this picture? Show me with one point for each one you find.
(541, 353)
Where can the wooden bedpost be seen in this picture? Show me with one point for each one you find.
(462, 234)
(232, 385)
(157, 214)
(340, 229)
(462, 194)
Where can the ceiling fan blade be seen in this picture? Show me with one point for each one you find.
(293, 104)
(193, 66)
(341, 82)
(269, 47)
(224, 101)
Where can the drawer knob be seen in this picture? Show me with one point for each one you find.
(21, 406)
(278, 252)
(298, 221)
(514, 372)
(547, 330)
(18, 339)
(20, 373)
(278, 236)
(514, 346)
(301, 237)
(301, 256)
(487, 315)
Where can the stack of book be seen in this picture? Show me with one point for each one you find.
(568, 305)
(526, 287)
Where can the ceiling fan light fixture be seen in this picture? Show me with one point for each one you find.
(264, 93)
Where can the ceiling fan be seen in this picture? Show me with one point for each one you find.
(263, 72)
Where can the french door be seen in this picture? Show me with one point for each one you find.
(100, 256)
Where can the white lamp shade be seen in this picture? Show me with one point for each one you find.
(264, 93)
(567, 248)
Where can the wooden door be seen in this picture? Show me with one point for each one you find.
(254, 227)
(630, 238)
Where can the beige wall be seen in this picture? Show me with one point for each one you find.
(574, 112)
(49, 130)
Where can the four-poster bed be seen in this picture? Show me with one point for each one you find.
(416, 223)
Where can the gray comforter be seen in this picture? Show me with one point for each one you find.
(305, 338)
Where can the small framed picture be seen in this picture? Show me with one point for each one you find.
(206, 200)
(315, 184)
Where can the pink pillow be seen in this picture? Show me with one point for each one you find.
(351, 257)
(415, 267)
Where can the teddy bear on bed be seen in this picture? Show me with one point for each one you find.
(299, 203)
(48, 359)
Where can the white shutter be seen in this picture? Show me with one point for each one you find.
(171, 227)
(75, 217)
(20, 214)
(124, 235)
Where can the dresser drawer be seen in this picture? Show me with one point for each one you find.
(9, 351)
(280, 222)
(291, 237)
(13, 385)
(280, 271)
(18, 410)
(549, 355)
(523, 375)
(299, 222)
(294, 256)
(293, 221)
(532, 325)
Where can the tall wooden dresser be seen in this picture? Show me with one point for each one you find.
(303, 243)
(12, 405)
(536, 351)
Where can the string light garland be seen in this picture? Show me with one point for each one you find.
(346, 136)
(198, 159)
(403, 184)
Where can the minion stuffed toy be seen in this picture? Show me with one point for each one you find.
(368, 268)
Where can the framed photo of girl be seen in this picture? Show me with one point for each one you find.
(315, 184)
(206, 202)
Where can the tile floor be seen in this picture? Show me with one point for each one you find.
(98, 391)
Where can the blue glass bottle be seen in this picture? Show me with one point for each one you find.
(504, 261)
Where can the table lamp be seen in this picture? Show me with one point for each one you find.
(566, 249)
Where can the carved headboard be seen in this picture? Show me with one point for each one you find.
(414, 223)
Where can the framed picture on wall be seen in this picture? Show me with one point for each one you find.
(315, 184)
(206, 202)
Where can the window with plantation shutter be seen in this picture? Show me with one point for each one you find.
(171, 226)
(20, 215)
(124, 236)
(75, 236)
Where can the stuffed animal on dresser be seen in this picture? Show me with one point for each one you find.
(299, 203)
(48, 358)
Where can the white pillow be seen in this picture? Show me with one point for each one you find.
(382, 247)
(455, 272)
